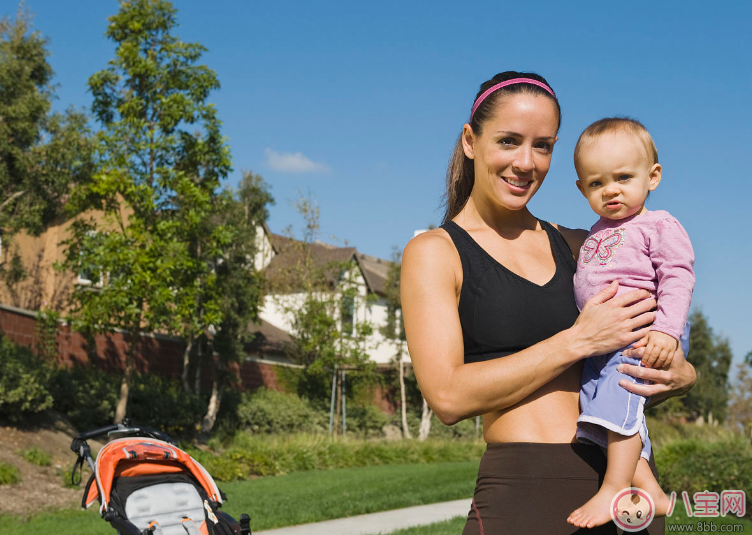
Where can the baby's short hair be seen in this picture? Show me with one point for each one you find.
(611, 125)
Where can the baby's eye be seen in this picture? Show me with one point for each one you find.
(595, 184)
(624, 177)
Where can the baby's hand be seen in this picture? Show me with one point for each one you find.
(659, 350)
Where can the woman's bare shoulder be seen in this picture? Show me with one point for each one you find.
(574, 237)
(428, 246)
(431, 256)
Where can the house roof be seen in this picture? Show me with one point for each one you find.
(375, 270)
(268, 339)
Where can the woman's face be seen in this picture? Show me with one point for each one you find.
(513, 152)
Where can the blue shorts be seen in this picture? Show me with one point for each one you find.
(604, 405)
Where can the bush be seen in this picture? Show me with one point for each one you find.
(36, 456)
(86, 395)
(24, 380)
(163, 404)
(695, 465)
(269, 411)
(249, 455)
(9, 474)
(664, 432)
(464, 429)
(367, 421)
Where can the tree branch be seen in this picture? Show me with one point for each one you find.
(11, 198)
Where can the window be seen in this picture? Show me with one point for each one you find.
(348, 314)
(88, 275)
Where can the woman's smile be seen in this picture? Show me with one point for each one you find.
(520, 184)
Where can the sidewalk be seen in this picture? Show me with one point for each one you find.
(383, 522)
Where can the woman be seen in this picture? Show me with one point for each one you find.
(492, 326)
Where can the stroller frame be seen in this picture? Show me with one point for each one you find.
(150, 459)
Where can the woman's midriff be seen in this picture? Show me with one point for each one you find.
(548, 415)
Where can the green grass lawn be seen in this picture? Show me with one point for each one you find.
(305, 497)
(298, 498)
(313, 496)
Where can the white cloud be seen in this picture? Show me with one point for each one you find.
(288, 162)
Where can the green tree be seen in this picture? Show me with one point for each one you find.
(394, 330)
(740, 398)
(238, 286)
(711, 356)
(160, 160)
(41, 153)
(319, 297)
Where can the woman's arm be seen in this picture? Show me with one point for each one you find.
(675, 380)
(456, 390)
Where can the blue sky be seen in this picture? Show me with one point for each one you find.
(360, 104)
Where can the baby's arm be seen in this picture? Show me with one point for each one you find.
(672, 255)
(660, 349)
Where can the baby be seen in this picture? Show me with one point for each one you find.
(617, 167)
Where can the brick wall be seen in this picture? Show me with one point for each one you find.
(161, 355)
(158, 354)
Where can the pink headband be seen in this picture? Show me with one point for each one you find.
(513, 81)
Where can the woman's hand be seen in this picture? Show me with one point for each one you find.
(674, 380)
(607, 323)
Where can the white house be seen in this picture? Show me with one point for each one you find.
(274, 255)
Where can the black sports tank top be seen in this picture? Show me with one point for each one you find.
(502, 313)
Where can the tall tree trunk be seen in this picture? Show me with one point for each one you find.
(403, 402)
(122, 403)
(425, 421)
(199, 364)
(207, 424)
(186, 362)
(130, 357)
(338, 404)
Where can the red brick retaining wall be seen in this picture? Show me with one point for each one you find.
(157, 354)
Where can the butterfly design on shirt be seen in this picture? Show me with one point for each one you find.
(602, 245)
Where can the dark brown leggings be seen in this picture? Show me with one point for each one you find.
(530, 488)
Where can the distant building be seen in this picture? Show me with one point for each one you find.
(275, 254)
(47, 288)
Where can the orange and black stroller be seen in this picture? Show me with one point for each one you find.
(146, 485)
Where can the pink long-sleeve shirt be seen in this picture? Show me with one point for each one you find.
(650, 251)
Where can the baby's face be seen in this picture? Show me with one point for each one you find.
(616, 175)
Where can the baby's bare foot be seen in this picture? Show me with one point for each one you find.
(596, 510)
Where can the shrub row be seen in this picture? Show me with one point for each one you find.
(249, 455)
(270, 412)
(88, 396)
(718, 462)
(24, 382)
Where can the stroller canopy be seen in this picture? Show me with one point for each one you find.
(131, 457)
